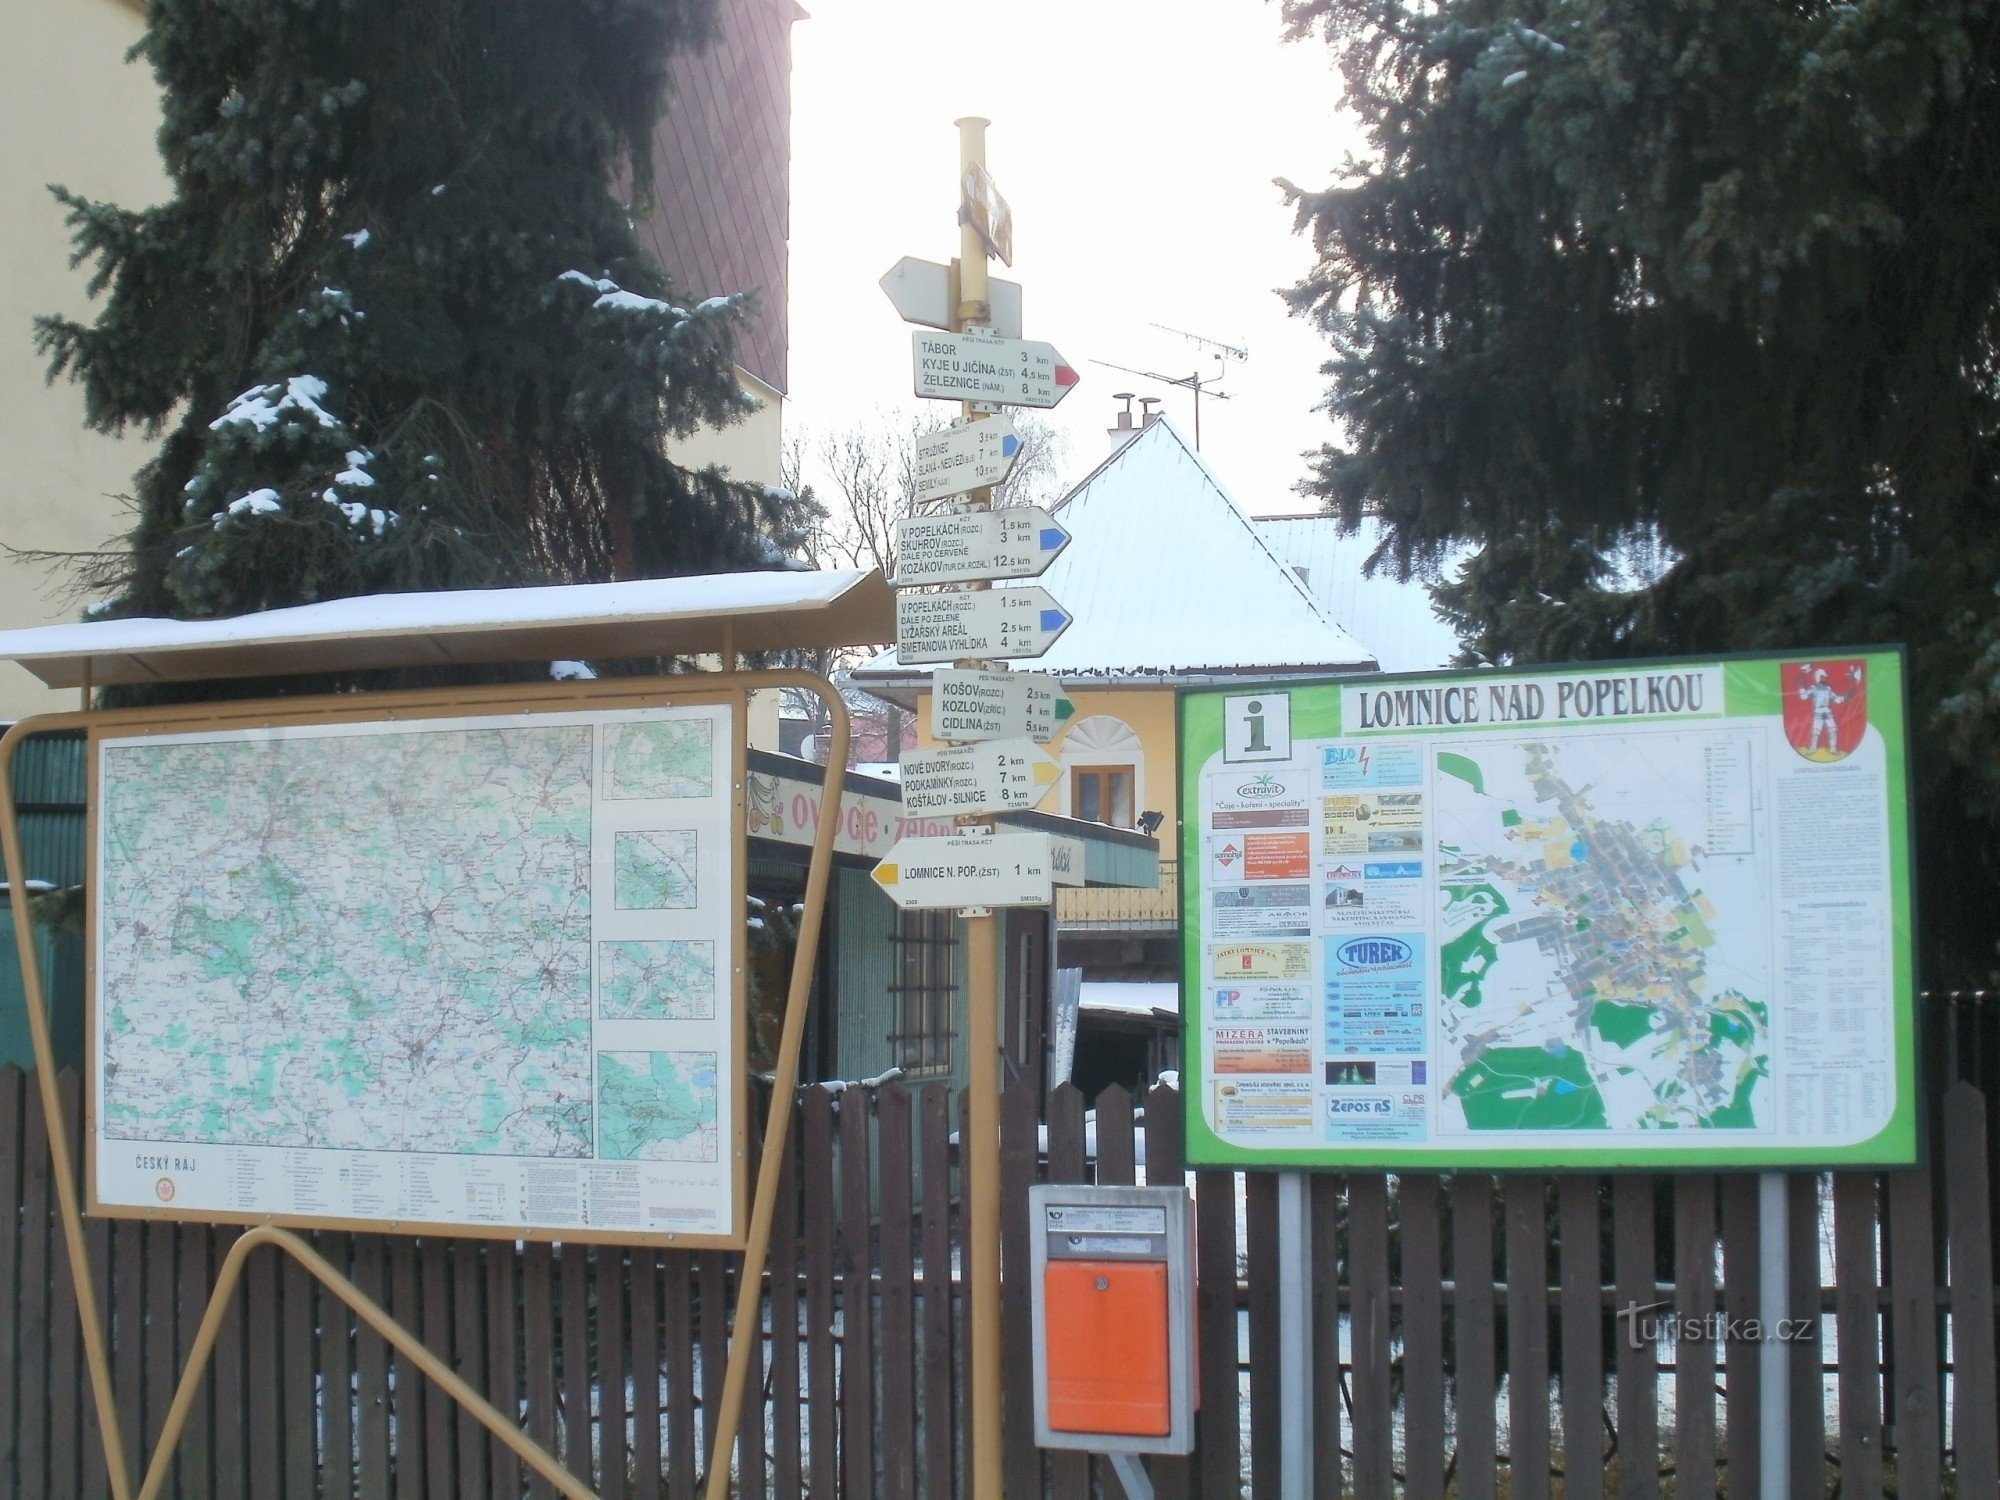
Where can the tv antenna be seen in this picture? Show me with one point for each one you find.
(1198, 383)
(1216, 347)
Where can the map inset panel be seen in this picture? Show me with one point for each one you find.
(1605, 960)
(657, 1106)
(371, 942)
(663, 981)
(656, 871)
(658, 758)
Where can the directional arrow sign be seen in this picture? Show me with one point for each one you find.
(1016, 541)
(1000, 869)
(994, 624)
(922, 292)
(978, 367)
(970, 706)
(969, 457)
(1002, 776)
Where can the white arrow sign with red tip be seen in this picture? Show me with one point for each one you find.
(979, 367)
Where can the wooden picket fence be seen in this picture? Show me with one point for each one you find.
(1465, 1331)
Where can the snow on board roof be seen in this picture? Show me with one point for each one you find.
(1166, 578)
(762, 611)
(1131, 997)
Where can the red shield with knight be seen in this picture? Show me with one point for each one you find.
(1826, 707)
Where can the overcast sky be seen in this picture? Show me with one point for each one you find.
(1136, 143)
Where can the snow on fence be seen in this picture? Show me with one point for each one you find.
(1438, 1303)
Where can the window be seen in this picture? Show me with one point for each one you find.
(923, 992)
(1102, 794)
(1104, 769)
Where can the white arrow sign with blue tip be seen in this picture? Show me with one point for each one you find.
(971, 456)
(994, 624)
(1015, 541)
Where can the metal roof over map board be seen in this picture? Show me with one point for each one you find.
(605, 621)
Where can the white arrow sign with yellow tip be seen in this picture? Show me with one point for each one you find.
(999, 869)
(998, 776)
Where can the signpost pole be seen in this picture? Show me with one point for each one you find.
(982, 969)
(1774, 1355)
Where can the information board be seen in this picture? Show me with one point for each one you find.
(459, 974)
(1605, 916)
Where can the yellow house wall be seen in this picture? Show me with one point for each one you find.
(750, 449)
(1150, 713)
(72, 111)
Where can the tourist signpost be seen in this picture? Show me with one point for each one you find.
(1017, 541)
(973, 626)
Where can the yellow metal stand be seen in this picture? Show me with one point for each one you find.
(90, 1316)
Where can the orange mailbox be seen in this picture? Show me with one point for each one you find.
(1113, 1283)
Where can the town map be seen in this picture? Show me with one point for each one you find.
(1603, 966)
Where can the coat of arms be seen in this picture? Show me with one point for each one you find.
(1826, 707)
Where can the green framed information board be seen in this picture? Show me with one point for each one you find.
(1609, 916)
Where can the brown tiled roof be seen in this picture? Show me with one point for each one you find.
(722, 174)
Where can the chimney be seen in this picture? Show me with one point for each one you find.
(1123, 431)
(1151, 416)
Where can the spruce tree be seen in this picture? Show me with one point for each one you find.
(1681, 319)
(394, 321)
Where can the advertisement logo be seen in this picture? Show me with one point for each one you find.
(1373, 953)
(1366, 1104)
(1826, 707)
(1264, 786)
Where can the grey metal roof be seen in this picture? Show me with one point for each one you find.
(1396, 620)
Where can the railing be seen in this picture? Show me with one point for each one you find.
(1114, 908)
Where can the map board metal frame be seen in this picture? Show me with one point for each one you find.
(1782, 703)
(716, 615)
(389, 713)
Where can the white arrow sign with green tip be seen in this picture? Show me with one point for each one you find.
(1015, 541)
(968, 706)
(991, 624)
(999, 869)
(998, 776)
